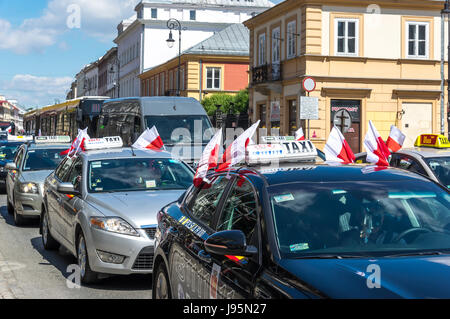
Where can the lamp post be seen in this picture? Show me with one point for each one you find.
(174, 24)
(115, 62)
(444, 12)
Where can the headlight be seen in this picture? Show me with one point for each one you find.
(113, 224)
(28, 188)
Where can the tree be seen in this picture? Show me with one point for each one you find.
(235, 104)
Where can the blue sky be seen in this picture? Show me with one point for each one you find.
(40, 54)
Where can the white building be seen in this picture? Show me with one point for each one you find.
(141, 40)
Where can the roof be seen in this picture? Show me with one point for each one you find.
(216, 3)
(123, 152)
(324, 173)
(233, 40)
(426, 152)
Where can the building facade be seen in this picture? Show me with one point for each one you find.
(142, 39)
(379, 61)
(108, 74)
(217, 64)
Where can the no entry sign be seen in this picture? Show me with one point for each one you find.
(309, 84)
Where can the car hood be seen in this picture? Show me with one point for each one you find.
(35, 176)
(400, 277)
(137, 208)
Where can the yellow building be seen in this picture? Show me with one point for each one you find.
(377, 60)
(218, 64)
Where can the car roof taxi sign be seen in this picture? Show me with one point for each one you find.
(103, 143)
(432, 140)
(52, 139)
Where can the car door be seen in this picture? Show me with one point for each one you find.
(240, 212)
(54, 199)
(71, 204)
(13, 175)
(190, 268)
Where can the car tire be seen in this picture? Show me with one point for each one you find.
(161, 284)
(18, 219)
(87, 276)
(48, 241)
(10, 208)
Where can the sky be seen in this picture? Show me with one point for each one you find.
(43, 44)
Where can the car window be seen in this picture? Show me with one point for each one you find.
(407, 163)
(204, 206)
(239, 211)
(74, 177)
(441, 168)
(8, 152)
(63, 168)
(18, 159)
(43, 159)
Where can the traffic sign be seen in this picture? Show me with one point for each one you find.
(309, 84)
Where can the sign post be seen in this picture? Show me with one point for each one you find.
(309, 106)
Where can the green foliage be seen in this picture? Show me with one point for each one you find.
(237, 103)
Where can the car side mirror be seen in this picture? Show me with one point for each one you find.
(229, 242)
(10, 166)
(67, 189)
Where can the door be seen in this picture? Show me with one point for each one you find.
(71, 204)
(13, 175)
(416, 120)
(346, 116)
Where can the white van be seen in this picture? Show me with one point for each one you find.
(182, 123)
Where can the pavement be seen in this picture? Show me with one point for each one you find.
(28, 271)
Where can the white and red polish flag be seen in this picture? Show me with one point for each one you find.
(299, 136)
(149, 140)
(235, 153)
(395, 140)
(77, 144)
(377, 151)
(209, 158)
(337, 148)
(9, 129)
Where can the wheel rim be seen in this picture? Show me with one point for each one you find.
(45, 229)
(161, 287)
(82, 256)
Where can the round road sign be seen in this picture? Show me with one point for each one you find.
(309, 84)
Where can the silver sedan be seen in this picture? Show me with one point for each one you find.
(102, 206)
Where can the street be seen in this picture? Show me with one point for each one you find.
(28, 271)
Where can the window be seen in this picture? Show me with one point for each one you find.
(346, 40)
(213, 78)
(157, 86)
(204, 206)
(262, 49)
(75, 174)
(291, 34)
(276, 45)
(152, 88)
(193, 14)
(417, 39)
(163, 84)
(240, 210)
(171, 80)
(154, 13)
(63, 168)
(262, 115)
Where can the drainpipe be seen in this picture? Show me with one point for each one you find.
(201, 81)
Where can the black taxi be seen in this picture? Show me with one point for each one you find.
(300, 228)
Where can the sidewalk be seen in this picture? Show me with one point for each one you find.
(8, 282)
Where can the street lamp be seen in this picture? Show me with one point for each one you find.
(174, 24)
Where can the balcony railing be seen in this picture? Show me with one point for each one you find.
(266, 73)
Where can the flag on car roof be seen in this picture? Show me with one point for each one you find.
(235, 153)
(377, 151)
(299, 136)
(149, 140)
(77, 144)
(395, 140)
(209, 158)
(337, 148)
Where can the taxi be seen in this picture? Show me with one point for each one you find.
(33, 162)
(305, 229)
(8, 149)
(102, 204)
(430, 157)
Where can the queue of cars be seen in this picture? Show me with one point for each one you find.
(300, 229)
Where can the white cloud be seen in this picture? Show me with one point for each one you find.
(32, 91)
(98, 19)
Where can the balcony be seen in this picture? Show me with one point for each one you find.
(266, 73)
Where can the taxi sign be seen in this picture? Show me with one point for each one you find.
(277, 139)
(103, 143)
(13, 138)
(432, 140)
(288, 151)
(52, 139)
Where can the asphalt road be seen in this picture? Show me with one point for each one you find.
(27, 270)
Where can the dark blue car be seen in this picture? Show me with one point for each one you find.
(7, 154)
(306, 231)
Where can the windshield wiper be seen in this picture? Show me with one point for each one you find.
(418, 253)
(332, 256)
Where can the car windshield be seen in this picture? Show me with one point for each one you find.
(43, 159)
(138, 174)
(7, 152)
(182, 128)
(360, 218)
(441, 168)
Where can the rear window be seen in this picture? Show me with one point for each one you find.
(43, 159)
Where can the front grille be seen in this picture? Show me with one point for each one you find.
(150, 232)
(144, 260)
